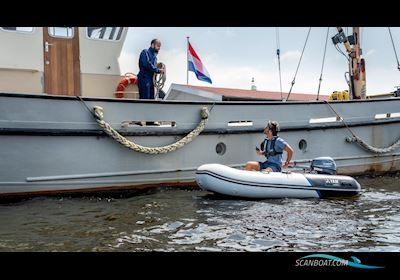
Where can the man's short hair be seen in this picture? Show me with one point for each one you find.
(154, 41)
(274, 127)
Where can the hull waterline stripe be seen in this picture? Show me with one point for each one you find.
(112, 174)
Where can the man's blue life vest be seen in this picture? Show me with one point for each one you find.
(271, 151)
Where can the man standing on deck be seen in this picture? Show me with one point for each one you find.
(148, 67)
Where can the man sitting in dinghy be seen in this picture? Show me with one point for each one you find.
(272, 148)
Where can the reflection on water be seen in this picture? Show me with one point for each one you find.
(195, 220)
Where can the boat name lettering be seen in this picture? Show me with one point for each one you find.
(332, 181)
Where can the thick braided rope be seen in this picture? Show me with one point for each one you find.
(361, 142)
(99, 116)
(370, 148)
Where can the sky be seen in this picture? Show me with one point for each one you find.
(233, 56)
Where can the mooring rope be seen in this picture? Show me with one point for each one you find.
(361, 142)
(99, 116)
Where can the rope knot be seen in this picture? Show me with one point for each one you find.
(351, 139)
(98, 112)
(204, 113)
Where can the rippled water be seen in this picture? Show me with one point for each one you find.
(195, 220)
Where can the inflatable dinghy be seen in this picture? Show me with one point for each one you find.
(225, 180)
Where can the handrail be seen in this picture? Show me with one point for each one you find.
(20, 69)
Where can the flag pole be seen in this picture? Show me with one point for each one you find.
(187, 61)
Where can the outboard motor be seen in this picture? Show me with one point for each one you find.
(396, 93)
(323, 165)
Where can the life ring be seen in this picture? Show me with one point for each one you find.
(129, 79)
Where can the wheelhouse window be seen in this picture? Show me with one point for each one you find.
(61, 32)
(18, 29)
(105, 33)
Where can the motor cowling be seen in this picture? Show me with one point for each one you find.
(323, 165)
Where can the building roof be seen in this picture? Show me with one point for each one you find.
(257, 94)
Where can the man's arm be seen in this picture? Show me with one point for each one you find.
(289, 152)
(146, 62)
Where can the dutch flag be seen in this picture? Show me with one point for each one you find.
(195, 65)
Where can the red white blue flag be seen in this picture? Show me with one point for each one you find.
(195, 65)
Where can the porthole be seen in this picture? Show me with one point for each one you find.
(220, 148)
(303, 145)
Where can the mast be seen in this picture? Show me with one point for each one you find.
(352, 44)
(187, 60)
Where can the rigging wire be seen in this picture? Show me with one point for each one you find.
(340, 51)
(394, 48)
(323, 62)
(298, 65)
(279, 59)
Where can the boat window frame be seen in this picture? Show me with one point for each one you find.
(104, 40)
(61, 37)
(19, 31)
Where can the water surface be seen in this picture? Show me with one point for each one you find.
(195, 220)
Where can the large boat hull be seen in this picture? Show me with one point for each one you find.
(53, 144)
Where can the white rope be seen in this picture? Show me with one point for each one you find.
(99, 116)
(370, 148)
(361, 142)
(159, 79)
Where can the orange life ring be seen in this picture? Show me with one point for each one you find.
(129, 79)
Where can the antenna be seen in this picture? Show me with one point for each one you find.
(278, 52)
(253, 85)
